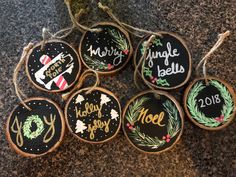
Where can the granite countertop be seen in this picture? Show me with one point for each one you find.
(198, 153)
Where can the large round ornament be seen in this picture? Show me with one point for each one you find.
(93, 117)
(106, 51)
(210, 106)
(38, 131)
(153, 121)
(53, 68)
(168, 61)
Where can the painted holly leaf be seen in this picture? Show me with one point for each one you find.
(157, 42)
(162, 82)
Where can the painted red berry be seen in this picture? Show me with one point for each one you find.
(130, 127)
(126, 51)
(167, 140)
(128, 124)
(168, 136)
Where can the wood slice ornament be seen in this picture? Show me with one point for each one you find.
(153, 121)
(167, 64)
(210, 106)
(53, 66)
(209, 101)
(106, 51)
(93, 114)
(38, 131)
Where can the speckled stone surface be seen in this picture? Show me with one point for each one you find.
(198, 153)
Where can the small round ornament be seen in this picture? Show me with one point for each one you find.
(153, 121)
(106, 51)
(211, 105)
(167, 63)
(38, 131)
(54, 67)
(93, 117)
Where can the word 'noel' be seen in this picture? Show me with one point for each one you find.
(174, 68)
(145, 117)
(107, 52)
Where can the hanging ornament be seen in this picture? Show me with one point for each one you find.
(106, 51)
(53, 68)
(38, 131)
(209, 101)
(153, 121)
(93, 114)
(53, 65)
(168, 61)
(36, 126)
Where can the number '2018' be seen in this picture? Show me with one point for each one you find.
(214, 99)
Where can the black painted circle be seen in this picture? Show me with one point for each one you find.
(210, 105)
(31, 133)
(97, 124)
(168, 62)
(152, 123)
(55, 68)
(105, 51)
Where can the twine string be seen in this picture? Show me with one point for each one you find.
(19, 93)
(124, 25)
(82, 78)
(203, 61)
(46, 34)
(141, 62)
(74, 20)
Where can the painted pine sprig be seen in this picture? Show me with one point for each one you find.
(228, 101)
(173, 126)
(120, 40)
(134, 109)
(96, 64)
(144, 140)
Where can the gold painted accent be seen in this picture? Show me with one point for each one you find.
(98, 124)
(149, 118)
(51, 129)
(19, 138)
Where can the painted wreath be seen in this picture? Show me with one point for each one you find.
(142, 139)
(27, 127)
(201, 117)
